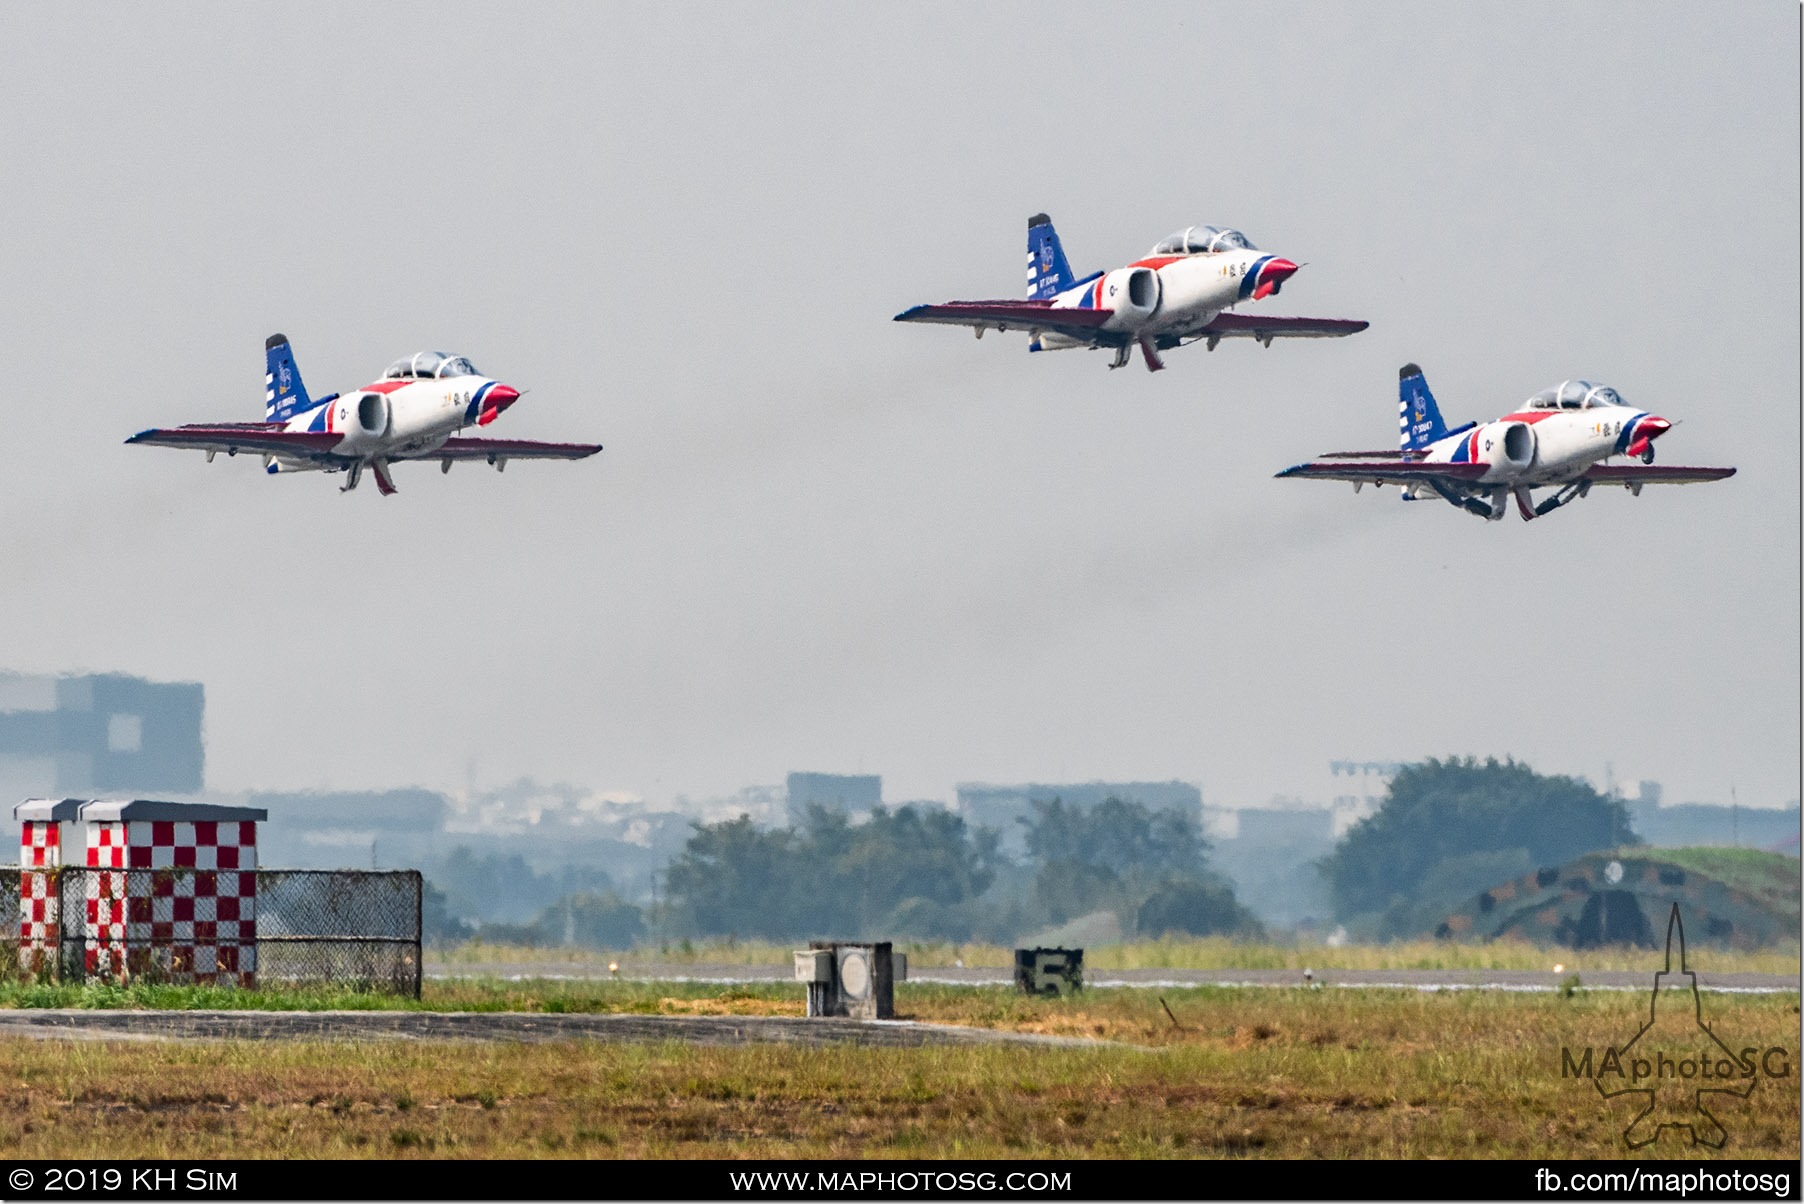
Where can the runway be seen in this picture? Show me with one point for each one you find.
(146, 1025)
(1162, 979)
(93, 1024)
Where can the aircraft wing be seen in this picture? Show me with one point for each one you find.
(495, 450)
(1368, 468)
(1246, 326)
(1012, 315)
(267, 438)
(1635, 475)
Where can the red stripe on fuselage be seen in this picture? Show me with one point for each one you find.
(1155, 262)
(387, 386)
(1533, 416)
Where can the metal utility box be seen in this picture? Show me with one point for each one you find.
(172, 892)
(814, 965)
(169, 889)
(47, 830)
(1049, 971)
(853, 980)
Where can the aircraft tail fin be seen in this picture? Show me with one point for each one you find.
(284, 395)
(1048, 274)
(1419, 419)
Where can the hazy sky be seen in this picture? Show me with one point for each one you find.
(821, 540)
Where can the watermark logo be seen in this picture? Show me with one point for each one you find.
(1675, 1065)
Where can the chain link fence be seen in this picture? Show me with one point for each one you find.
(11, 917)
(357, 928)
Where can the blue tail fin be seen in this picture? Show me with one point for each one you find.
(1047, 272)
(284, 395)
(1418, 417)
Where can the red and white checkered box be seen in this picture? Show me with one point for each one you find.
(199, 920)
(44, 827)
(171, 888)
(103, 944)
(178, 898)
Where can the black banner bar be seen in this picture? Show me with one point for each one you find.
(1027, 1179)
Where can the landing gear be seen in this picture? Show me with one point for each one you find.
(1490, 510)
(1121, 357)
(1647, 457)
(1528, 508)
(1153, 362)
(353, 474)
(1571, 493)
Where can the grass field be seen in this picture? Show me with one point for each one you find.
(1287, 1073)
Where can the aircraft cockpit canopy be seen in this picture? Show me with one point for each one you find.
(1575, 395)
(1195, 239)
(427, 365)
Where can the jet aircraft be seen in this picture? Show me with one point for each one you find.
(1560, 438)
(410, 414)
(1181, 292)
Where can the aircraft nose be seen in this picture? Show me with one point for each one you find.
(1272, 277)
(1647, 430)
(497, 399)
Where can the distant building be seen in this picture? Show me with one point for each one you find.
(351, 828)
(1004, 807)
(1359, 788)
(1270, 858)
(1285, 826)
(100, 733)
(1707, 824)
(850, 794)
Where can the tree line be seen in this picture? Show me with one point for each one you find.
(1446, 830)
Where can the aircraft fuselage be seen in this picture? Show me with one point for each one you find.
(1549, 447)
(1173, 296)
(399, 418)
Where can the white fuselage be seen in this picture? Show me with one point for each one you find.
(1165, 295)
(1547, 446)
(405, 417)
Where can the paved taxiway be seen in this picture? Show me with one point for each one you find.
(142, 1025)
(972, 976)
(94, 1024)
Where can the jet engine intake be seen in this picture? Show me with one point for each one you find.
(1508, 447)
(366, 418)
(1134, 294)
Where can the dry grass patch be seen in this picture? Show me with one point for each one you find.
(732, 1003)
(1291, 1074)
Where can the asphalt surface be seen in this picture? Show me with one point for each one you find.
(126, 1025)
(1409, 980)
(142, 1025)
